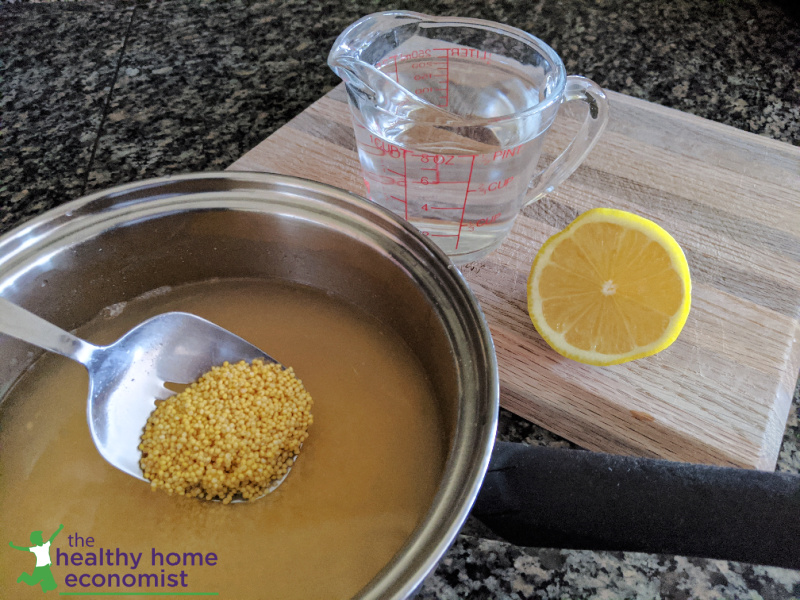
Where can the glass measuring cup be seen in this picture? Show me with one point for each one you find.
(449, 117)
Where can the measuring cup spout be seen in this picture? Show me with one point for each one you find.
(360, 77)
(367, 56)
(345, 58)
(378, 97)
(357, 53)
(393, 112)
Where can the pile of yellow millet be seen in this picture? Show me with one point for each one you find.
(233, 432)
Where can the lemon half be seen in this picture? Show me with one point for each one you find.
(610, 288)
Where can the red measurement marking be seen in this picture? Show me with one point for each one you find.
(472, 53)
(445, 182)
(445, 208)
(487, 221)
(445, 235)
(438, 159)
(507, 153)
(464, 208)
(405, 183)
(447, 82)
(372, 151)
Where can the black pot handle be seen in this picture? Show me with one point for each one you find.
(557, 498)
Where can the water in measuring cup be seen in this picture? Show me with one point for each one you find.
(463, 187)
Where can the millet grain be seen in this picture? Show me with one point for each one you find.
(235, 431)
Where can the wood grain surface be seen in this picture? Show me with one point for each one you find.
(721, 393)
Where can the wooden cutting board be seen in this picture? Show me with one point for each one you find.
(721, 393)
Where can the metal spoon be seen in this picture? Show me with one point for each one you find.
(128, 376)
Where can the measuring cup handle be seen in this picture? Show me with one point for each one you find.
(584, 90)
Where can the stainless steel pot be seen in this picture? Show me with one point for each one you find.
(70, 263)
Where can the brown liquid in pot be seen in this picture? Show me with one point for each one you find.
(364, 478)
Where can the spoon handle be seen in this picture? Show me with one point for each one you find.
(26, 326)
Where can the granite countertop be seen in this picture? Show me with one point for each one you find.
(99, 93)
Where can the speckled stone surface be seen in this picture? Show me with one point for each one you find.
(99, 93)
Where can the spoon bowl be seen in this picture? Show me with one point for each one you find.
(126, 378)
